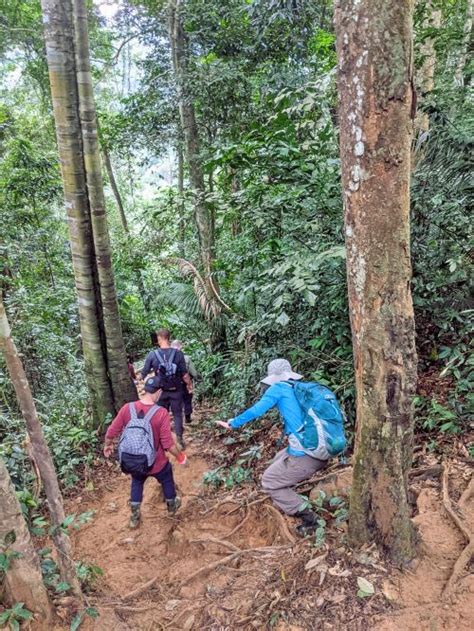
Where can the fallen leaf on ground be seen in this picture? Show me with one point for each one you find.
(365, 587)
(314, 562)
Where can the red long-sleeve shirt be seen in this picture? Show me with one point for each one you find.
(160, 424)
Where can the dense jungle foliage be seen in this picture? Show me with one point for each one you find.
(261, 77)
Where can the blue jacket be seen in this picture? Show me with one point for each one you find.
(282, 396)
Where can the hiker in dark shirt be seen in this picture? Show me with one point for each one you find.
(164, 361)
(193, 374)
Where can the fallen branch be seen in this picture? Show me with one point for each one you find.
(282, 524)
(468, 551)
(138, 591)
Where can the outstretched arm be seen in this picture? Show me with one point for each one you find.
(269, 400)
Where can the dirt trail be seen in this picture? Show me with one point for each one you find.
(259, 579)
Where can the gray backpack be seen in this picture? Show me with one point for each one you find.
(136, 450)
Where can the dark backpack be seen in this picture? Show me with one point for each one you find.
(167, 371)
(136, 451)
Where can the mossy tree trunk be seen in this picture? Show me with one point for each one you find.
(102, 342)
(23, 579)
(40, 452)
(376, 102)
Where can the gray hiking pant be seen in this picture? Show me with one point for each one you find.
(284, 473)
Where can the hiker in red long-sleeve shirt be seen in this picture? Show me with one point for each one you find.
(145, 433)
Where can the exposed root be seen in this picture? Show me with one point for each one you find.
(468, 551)
(221, 542)
(423, 473)
(239, 526)
(466, 496)
(282, 524)
(307, 485)
(222, 503)
(229, 558)
(138, 591)
(211, 566)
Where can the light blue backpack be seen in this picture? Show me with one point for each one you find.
(322, 431)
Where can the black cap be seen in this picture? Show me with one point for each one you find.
(152, 385)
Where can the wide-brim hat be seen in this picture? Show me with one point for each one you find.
(280, 370)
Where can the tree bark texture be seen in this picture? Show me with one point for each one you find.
(122, 387)
(40, 452)
(115, 190)
(465, 43)
(58, 30)
(102, 342)
(23, 579)
(203, 215)
(376, 100)
(425, 75)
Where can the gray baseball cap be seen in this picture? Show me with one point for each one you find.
(280, 370)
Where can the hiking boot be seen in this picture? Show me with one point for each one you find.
(188, 418)
(173, 505)
(308, 523)
(181, 443)
(135, 516)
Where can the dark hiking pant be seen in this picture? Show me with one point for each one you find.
(164, 477)
(173, 399)
(187, 402)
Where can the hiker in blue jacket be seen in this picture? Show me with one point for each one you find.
(293, 464)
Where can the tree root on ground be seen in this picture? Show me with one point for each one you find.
(138, 591)
(221, 542)
(282, 523)
(229, 558)
(239, 525)
(468, 551)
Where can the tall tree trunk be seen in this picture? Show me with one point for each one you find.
(122, 386)
(465, 43)
(182, 220)
(425, 75)
(23, 579)
(123, 219)
(58, 30)
(203, 215)
(40, 452)
(376, 100)
(115, 190)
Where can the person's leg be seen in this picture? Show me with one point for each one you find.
(176, 401)
(164, 400)
(188, 404)
(165, 477)
(284, 473)
(136, 496)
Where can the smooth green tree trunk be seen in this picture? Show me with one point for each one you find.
(122, 386)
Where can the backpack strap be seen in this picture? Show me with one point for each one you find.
(151, 413)
(159, 356)
(133, 411)
(172, 356)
